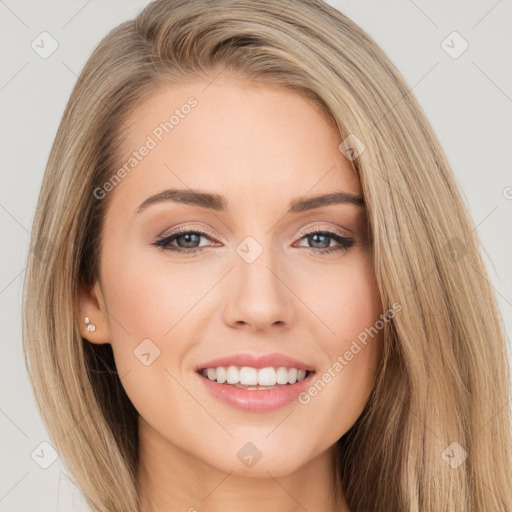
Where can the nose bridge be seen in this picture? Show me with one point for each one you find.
(259, 297)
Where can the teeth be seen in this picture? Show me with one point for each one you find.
(282, 375)
(221, 374)
(233, 375)
(247, 376)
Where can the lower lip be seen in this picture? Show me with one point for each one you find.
(258, 400)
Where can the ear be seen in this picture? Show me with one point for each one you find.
(92, 306)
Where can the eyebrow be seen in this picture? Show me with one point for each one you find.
(218, 202)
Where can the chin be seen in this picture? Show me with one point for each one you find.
(257, 460)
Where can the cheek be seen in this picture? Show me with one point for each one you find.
(352, 345)
(154, 309)
(148, 296)
(358, 309)
(359, 333)
(344, 298)
(147, 310)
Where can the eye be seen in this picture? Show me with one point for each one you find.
(323, 238)
(185, 241)
(186, 238)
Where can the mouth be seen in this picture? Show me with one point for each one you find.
(255, 379)
(255, 390)
(255, 383)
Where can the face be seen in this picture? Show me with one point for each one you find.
(248, 278)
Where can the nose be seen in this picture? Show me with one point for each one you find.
(259, 298)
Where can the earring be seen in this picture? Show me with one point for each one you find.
(90, 327)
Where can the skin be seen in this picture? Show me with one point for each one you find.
(261, 147)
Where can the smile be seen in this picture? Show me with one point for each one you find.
(254, 378)
(255, 397)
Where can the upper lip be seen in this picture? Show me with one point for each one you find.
(257, 361)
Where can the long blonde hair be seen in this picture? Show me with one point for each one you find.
(442, 390)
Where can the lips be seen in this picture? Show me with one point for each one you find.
(257, 361)
(256, 398)
(256, 401)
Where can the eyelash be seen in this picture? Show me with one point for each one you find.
(165, 242)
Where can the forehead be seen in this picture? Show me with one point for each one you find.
(253, 143)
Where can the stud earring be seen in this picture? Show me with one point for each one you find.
(90, 327)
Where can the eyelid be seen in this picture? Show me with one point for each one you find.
(332, 229)
(185, 229)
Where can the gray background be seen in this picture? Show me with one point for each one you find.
(467, 99)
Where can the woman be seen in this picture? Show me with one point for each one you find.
(190, 345)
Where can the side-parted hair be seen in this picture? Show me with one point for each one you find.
(442, 390)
